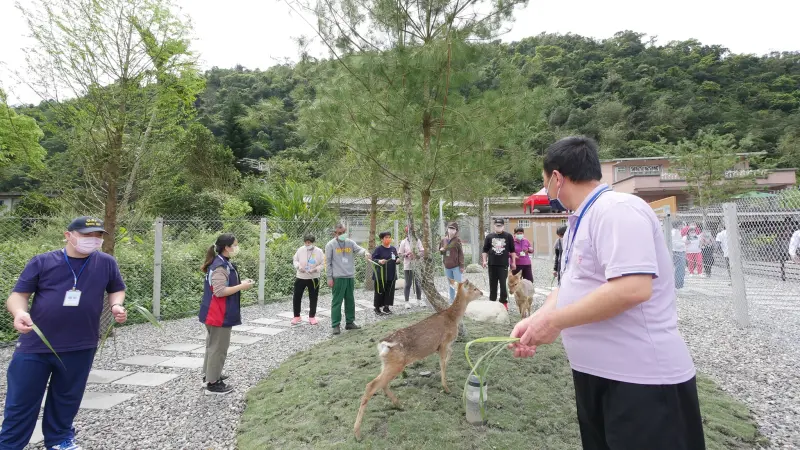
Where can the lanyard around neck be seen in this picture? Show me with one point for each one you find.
(574, 233)
(74, 276)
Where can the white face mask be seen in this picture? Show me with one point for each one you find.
(309, 247)
(451, 232)
(234, 250)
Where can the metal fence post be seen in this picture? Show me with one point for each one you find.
(668, 232)
(262, 260)
(550, 243)
(477, 242)
(396, 230)
(157, 258)
(735, 258)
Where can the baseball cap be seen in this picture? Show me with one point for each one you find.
(499, 221)
(86, 224)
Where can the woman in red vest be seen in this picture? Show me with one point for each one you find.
(221, 308)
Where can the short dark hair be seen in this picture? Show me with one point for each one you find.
(309, 238)
(575, 157)
(519, 230)
(384, 234)
(561, 230)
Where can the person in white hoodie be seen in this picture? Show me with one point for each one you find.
(308, 261)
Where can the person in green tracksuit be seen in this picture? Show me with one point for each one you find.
(340, 255)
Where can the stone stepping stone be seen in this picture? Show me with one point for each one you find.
(365, 303)
(202, 350)
(286, 323)
(182, 362)
(180, 347)
(200, 336)
(265, 321)
(103, 400)
(143, 360)
(323, 313)
(319, 310)
(267, 330)
(147, 379)
(243, 328)
(37, 436)
(106, 376)
(244, 340)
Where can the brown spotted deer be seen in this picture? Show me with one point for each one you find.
(405, 346)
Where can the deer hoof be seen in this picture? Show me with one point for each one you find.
(358, 435)
(446, 390)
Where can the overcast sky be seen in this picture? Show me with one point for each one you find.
(260, 33)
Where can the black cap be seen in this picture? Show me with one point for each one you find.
(499, 221)
(86, 224)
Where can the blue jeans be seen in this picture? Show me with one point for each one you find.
(453, 274)
(27, 381)
(679, 260)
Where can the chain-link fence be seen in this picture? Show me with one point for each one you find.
(745, 251)
(160, 258)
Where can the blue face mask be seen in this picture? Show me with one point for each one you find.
(555, 203)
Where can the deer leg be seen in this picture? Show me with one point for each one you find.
(444, 355)
(380, 382)
(391, 396)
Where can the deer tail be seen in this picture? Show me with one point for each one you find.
(384, 347)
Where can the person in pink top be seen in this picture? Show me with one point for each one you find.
(616, 313)
(524, 251)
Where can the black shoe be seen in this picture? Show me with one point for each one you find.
(386, 310)
(378, 312)
(218, 388)
(352, 326)
(337, 330)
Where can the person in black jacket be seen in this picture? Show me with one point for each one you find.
(559, 249)
(498, 250)
(384, 273)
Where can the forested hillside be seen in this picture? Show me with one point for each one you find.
(636, 98)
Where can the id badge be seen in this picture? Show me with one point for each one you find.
(72, 298)
(522, 254)
(345, 260)
(447, 253)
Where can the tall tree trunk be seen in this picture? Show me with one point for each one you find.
(427, 279)
(373, 227)
(112, 182)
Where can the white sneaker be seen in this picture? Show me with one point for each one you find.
(408, 305)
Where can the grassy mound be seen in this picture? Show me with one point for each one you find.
(312, 399)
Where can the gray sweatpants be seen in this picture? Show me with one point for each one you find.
(217, 341)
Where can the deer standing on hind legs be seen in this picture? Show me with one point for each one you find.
(405, 346)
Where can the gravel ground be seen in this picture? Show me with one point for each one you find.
(757, 364)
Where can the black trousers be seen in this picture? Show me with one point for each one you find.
(384, 295)
(527, 272)
(498, 275)
(410, 278)
(614, 415)
(300, 286)
(708, 260)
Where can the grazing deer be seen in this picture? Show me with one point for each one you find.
(523, 291)
(405, 346)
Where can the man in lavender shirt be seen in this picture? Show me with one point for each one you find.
(616, 313)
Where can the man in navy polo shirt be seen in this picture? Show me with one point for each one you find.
(68, 286)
